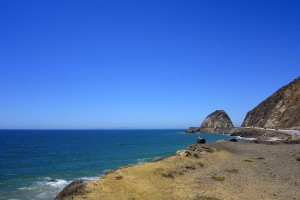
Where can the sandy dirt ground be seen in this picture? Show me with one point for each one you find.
(223, 170)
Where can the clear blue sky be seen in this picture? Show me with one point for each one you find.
(142, 64)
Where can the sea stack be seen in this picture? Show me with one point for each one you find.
(217, 122)
(217, 119)
(280, 110)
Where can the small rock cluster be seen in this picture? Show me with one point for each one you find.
(195, 150)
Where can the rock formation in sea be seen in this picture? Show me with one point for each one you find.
(216, 122)
(280, 110)
(217, 119)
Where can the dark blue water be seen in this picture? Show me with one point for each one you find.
(29, 159)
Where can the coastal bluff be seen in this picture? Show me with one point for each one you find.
(221, 171)
(280, 110)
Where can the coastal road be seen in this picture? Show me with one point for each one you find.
(295, 133)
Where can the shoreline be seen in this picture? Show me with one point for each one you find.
(142, 181)
(249, 132)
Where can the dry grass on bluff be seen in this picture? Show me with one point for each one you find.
(231, 171)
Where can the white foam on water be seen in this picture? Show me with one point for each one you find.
(47, 188)
(142, 160)
(273, 139)
(27, 188)
(145, 160)
(244, 138)
(90, 178)
(107, 171)
(57, 183)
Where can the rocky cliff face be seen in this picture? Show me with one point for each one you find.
(217, 119)
(280, 110)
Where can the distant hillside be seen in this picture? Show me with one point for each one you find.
(280, 110)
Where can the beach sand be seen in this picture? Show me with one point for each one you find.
(223, 170)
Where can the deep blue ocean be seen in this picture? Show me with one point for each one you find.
(37, 164)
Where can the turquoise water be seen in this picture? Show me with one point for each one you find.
(37, 164)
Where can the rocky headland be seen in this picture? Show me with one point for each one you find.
(270, 119)
(281, 110)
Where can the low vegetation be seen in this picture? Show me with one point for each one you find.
(167, 175)
(218, 178)
(119, 177)
(235, 171)
(201, 164)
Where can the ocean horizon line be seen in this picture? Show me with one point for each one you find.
(85, 129)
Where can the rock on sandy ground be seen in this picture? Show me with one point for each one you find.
(223, 170)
